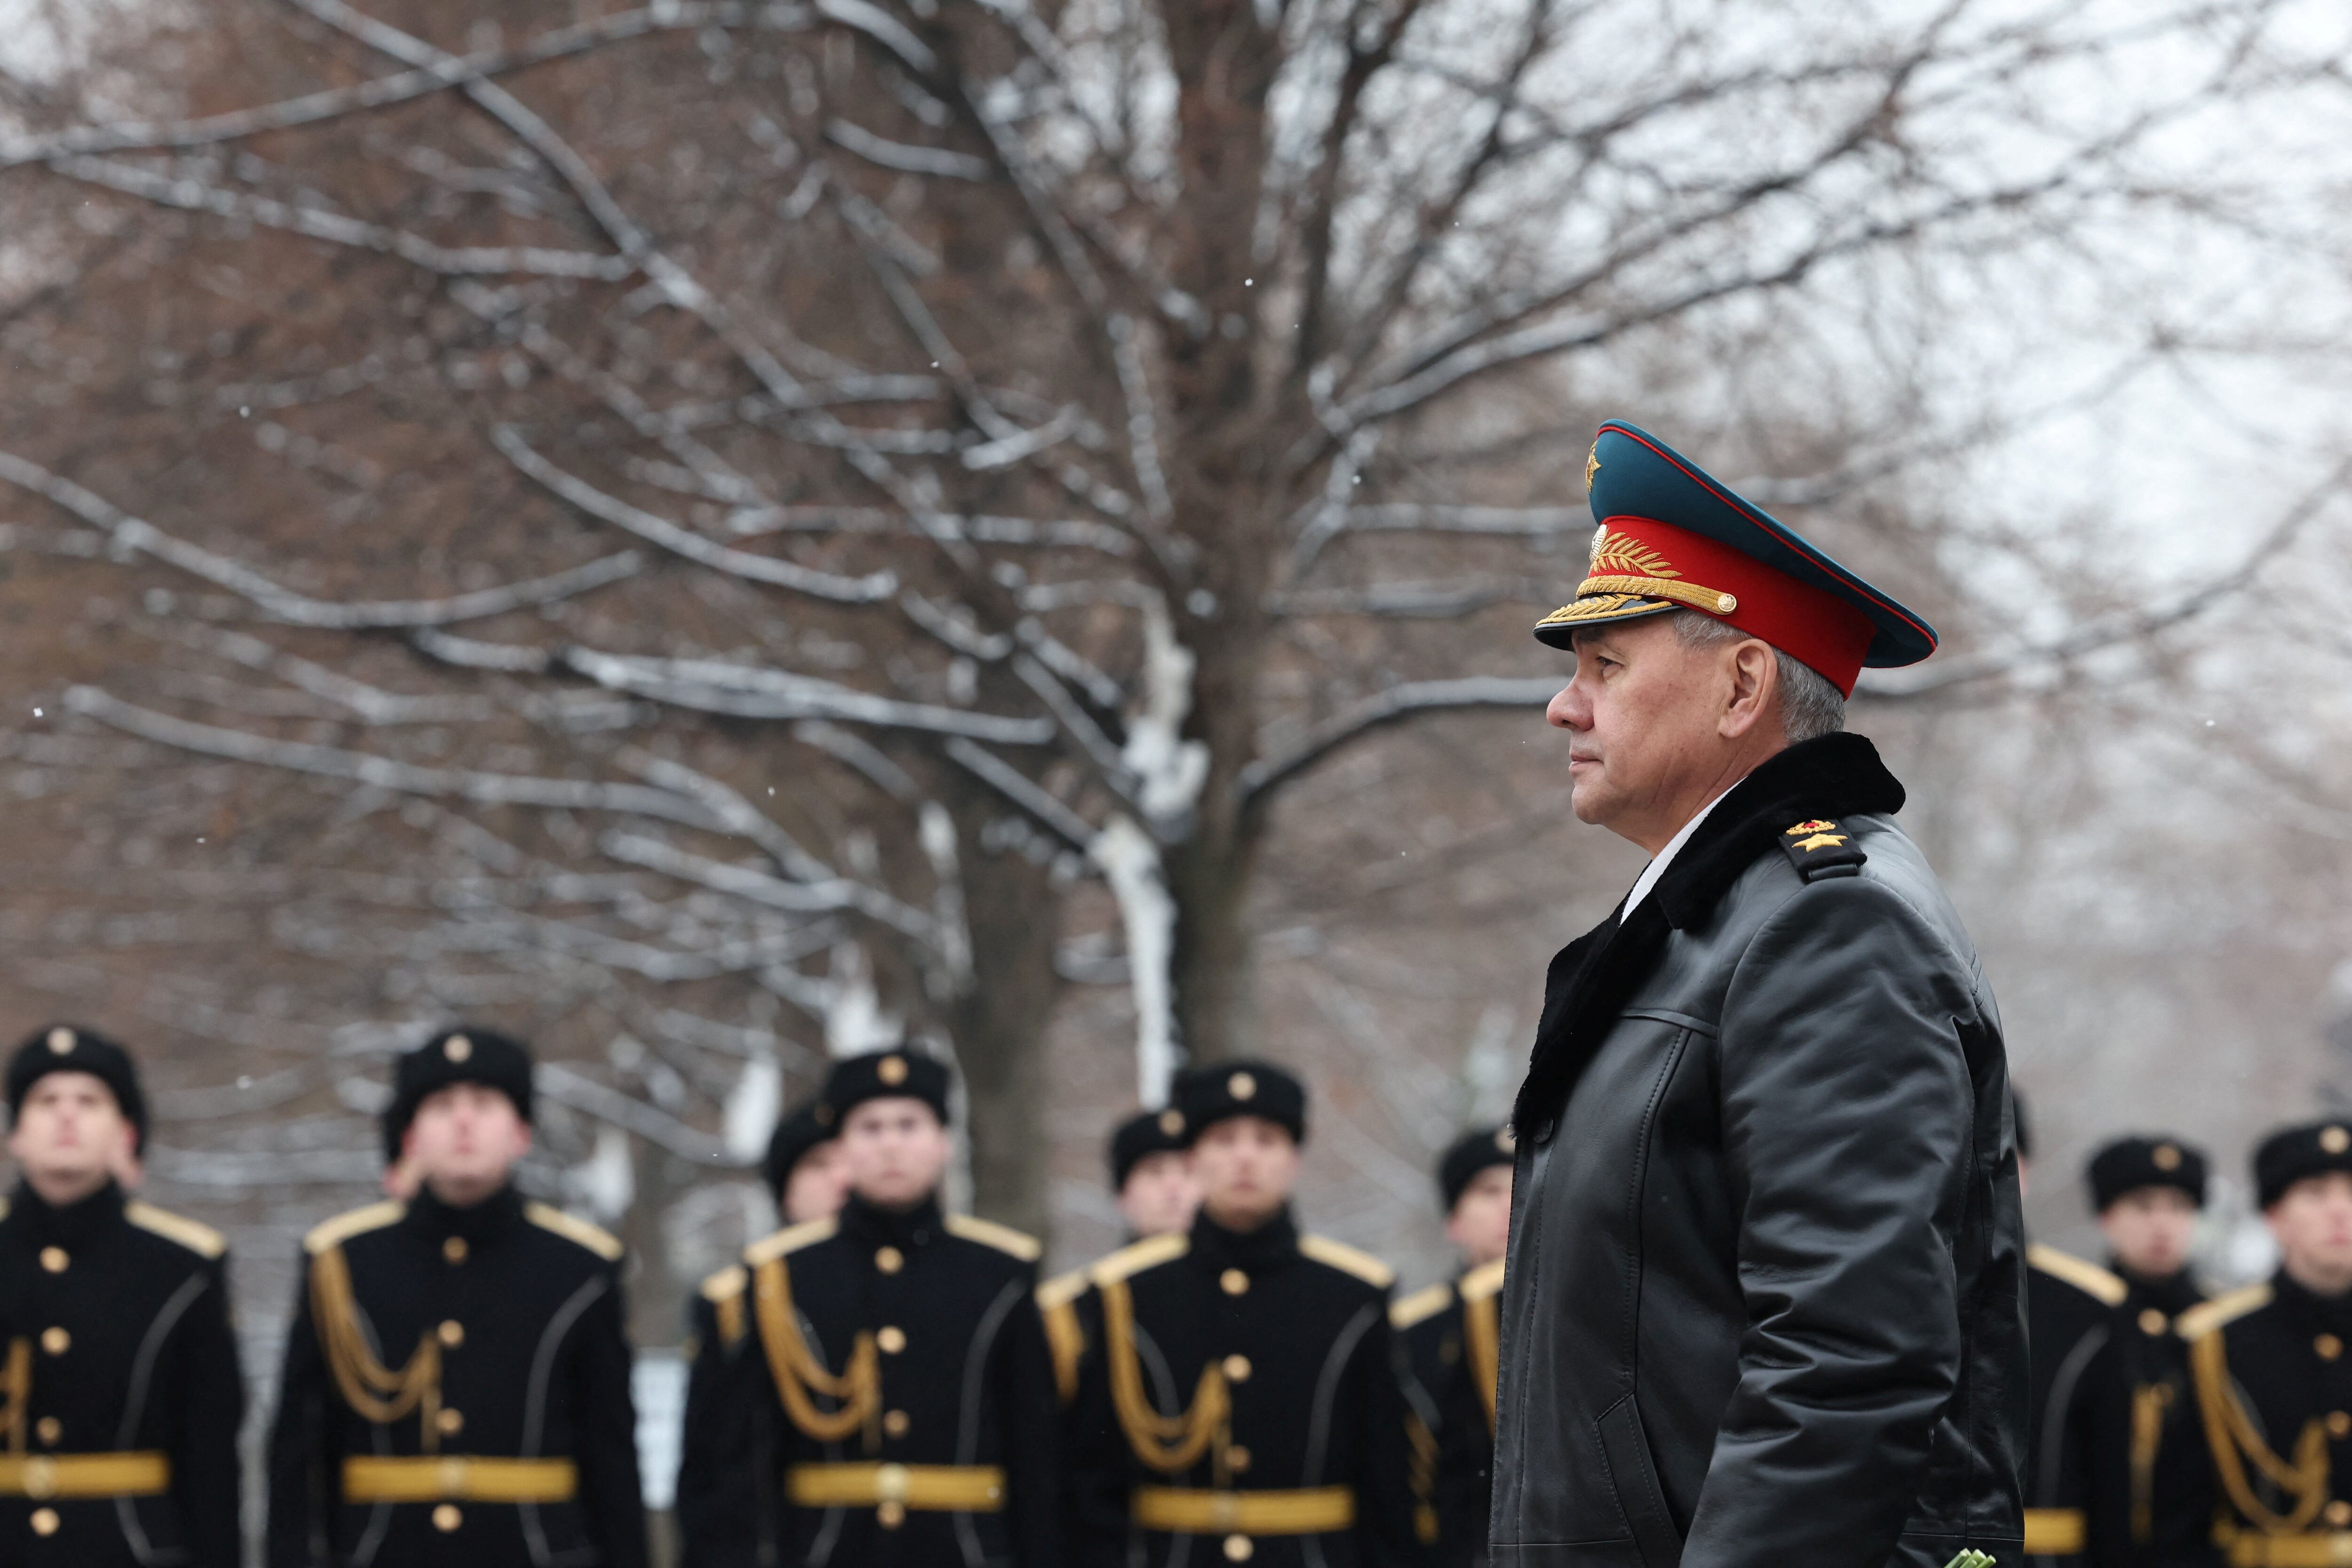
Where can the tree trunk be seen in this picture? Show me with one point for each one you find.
(999, 1026)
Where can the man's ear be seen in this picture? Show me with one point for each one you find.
(1754, 671)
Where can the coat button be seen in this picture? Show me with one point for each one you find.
(48, 1429)
(892, 1339)
(446, 1519)
(1237, 1369)
(2152, 1322)
(55, 1340)
(450, 1422)
(44, 1521)
(1237, 1458)
(895, 1424)
(889, 1260)
(2328, 1346)
(454, 1249)
(54, 1260)
(451, 1332)
(2337, 1513)
(1238, 1549)
(2340, 1424)
(1232, 1281)
(890, 1515)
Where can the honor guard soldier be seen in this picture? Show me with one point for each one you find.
(2273, 1386)
(900, 1404)
(120, 1379)
(2147, 1194)
(808, 1181)
(457, 1379)
(1447, 1335)
(1244, 1406)
(1151, 1179)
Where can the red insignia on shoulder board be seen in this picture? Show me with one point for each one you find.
(1815, 825)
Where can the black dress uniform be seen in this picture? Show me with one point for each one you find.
(1245, 1402)
(2071, 1322)
(456, 1382)
(119, 1394)
(1448, 1339)
(880, 1395)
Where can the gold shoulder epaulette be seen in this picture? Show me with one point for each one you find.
(359, 1222)
(572, 1229)
(790, 1239)
(1064, 1289)
(1482, 1282)
(1003, 1237)
(726, 1284)
(2088, 1277)
(1422, 1305)
(2227, 1307)
(199, 1239)
(1341, 1255)
(1134, 1259)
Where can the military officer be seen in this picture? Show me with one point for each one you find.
(455, 1388)
(119, 1394)
(1151, 1181)
(2147, 1193)
(1447, 1336)
(900, 1411)
(2273, 1387)
(1244, 1404)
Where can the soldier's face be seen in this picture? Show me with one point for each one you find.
(464, 1141)
(895, 1150)
(1246, 1166)
(2150, 1230)
(2313, 1223)
(1159, 1195)
(1656, 730)
(70, 1135)
(817, 1185)
(1480, 1226)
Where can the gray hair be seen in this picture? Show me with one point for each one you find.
(1809, 706)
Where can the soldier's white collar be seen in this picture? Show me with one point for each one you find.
(1657, 867)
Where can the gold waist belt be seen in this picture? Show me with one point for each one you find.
(43, 1475)
(369, 1479)
(1186, 1511)
(2319, 1549)
(941, 1489)
(2054, 1532)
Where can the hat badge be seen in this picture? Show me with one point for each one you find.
(2166, 1157)
(458, 1048)
(891, 1070)
(1241, 1086)
(1172, 1122)
(1591, 463)
(2336, 1140)
(61, 1041)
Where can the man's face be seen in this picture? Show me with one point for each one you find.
(818, 1184)
(1159, 1195)
(1245, 1166)
(896, 1149)
(2313, 1223)
(70, 1134)
(1480, 1226)
(2149, 1229)
(464, 1141)
(1656, 728)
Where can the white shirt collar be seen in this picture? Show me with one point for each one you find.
(1657, 867)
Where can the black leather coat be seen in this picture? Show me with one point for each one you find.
(1764, 1296)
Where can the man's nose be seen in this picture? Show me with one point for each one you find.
(1565, 711)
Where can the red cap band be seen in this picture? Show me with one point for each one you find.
(1809, 625)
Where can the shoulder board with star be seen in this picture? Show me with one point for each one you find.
(2227, 1308)
(1820, 850)
(2088, 1277)
(790, 1239)
(1347, 1261)
(1064, 1289)
(1149, 1253)
(1003, 1237)
(357, 1222)
(1422, 1305)
(572, 1229)
(1482, 1282)
(724, 1291)
(199, 1239)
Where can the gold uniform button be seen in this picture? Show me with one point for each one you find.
(54, 1260)
(450, 1422)
(1238, 1549)
(48, 1429)
(1237, 1457)
(454, 1249)
(895, 1424)
(892, 1339)
(2340, 1424)
(57, 1342)
(44, 1521)
(1237, 1369)
(1232, 1281)
(890, 1515)
(2328, 1346)
(889, 1260)
(451, 1332)
(2152, 1321)
(2337, 1513)
(446, 1519)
